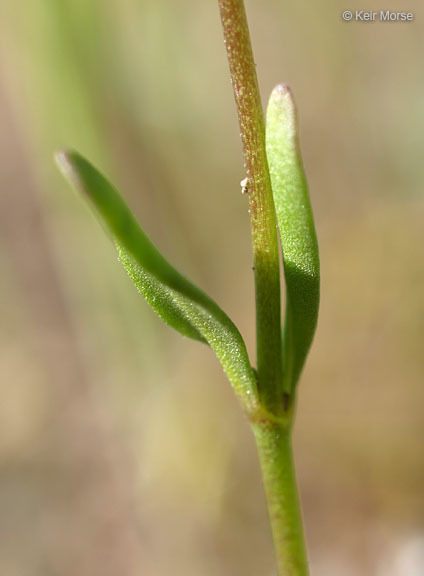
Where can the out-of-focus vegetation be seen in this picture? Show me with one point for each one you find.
(105, 414)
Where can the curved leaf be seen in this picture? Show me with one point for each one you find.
(177, 301)
(297, 232)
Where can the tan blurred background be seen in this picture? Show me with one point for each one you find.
(122, 448)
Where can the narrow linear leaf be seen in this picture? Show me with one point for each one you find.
(176, 300)
(297, 233)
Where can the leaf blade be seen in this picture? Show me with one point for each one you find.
(297, 233)
(180, 303)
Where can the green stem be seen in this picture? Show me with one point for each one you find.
(272, 431)
(261, 203)
(275, 453)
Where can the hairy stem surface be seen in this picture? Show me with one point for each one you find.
(261, 203)
(276, 458)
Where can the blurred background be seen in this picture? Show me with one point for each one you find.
(122, 447)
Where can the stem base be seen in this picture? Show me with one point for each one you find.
(275, 454)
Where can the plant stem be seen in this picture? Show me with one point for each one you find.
(261, 203)
(275, 454)
(273, 433)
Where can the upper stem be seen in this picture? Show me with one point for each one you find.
(261, 203)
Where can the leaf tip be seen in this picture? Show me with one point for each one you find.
(282, 95)
(281, 113)
(63, 161)
(282, 90)
(61, 158)
(69, 163)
